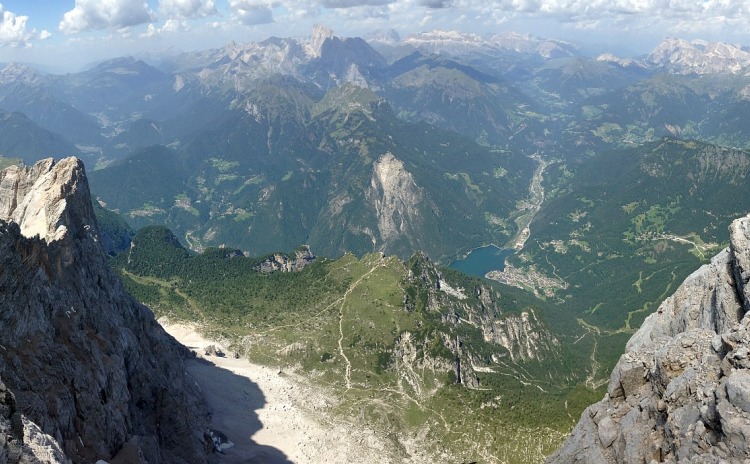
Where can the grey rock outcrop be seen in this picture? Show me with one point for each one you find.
(285, 263)
(21, 441)
(681, 391)
(522, 336)
(88, 366)
(47, 200)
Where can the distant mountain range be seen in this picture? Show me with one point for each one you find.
(342, 174)
(254, 144)
(269, 144)
(495, 85)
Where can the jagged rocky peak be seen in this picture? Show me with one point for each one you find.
(681, 391)
(451, 42)
(320, 34)
(700, 57)
(523, 335)
(459, 43)
(21, 441)
(527, 43)
(91, 373)
(622, 62)
(396, 199)
(16, 72)
(48, 199)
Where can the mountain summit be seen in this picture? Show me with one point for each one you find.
(88, 373)
(47, 200)
(700, 57)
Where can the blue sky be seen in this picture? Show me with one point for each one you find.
(67, 34)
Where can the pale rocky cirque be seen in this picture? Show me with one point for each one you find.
(87, 374)
(275, 415)
(681, 391)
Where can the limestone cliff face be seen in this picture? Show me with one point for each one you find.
(681, 391)
(47, 199)
(396, 198)
(523, 335)
(85, 362)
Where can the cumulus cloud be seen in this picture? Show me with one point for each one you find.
(364, 17)
(13, 30)
(353, 3)
(151, 31)
(592, 8)
(436, 4)
(174, 25)
(187, 9)
(250, 12)
(170, 25)
(90, 15)
(666, 16)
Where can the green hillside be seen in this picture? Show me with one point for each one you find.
(21, 138)
(619, 232)
(459, 98)
(343, 174)
(383, 336)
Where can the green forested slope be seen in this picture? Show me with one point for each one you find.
(383, 336)
(342, 174)
(620, 231)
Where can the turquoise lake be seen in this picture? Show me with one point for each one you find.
(482, 260)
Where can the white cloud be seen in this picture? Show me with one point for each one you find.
(174, 25)
(251, 12)
(437, 4)
(151, 31)
(658, 17)
(105, 14)
(170, 25)
(360, 16)
(187, 9)
(593, 8)
(14, 33)
(353, 3)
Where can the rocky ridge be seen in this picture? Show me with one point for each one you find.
(285, 263)
(700, 57)
(458, 43)
(86, 369)
(681, 391)
(523, 335)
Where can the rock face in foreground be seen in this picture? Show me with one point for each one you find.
(681, 391)
(21, 441)
(91, 372)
